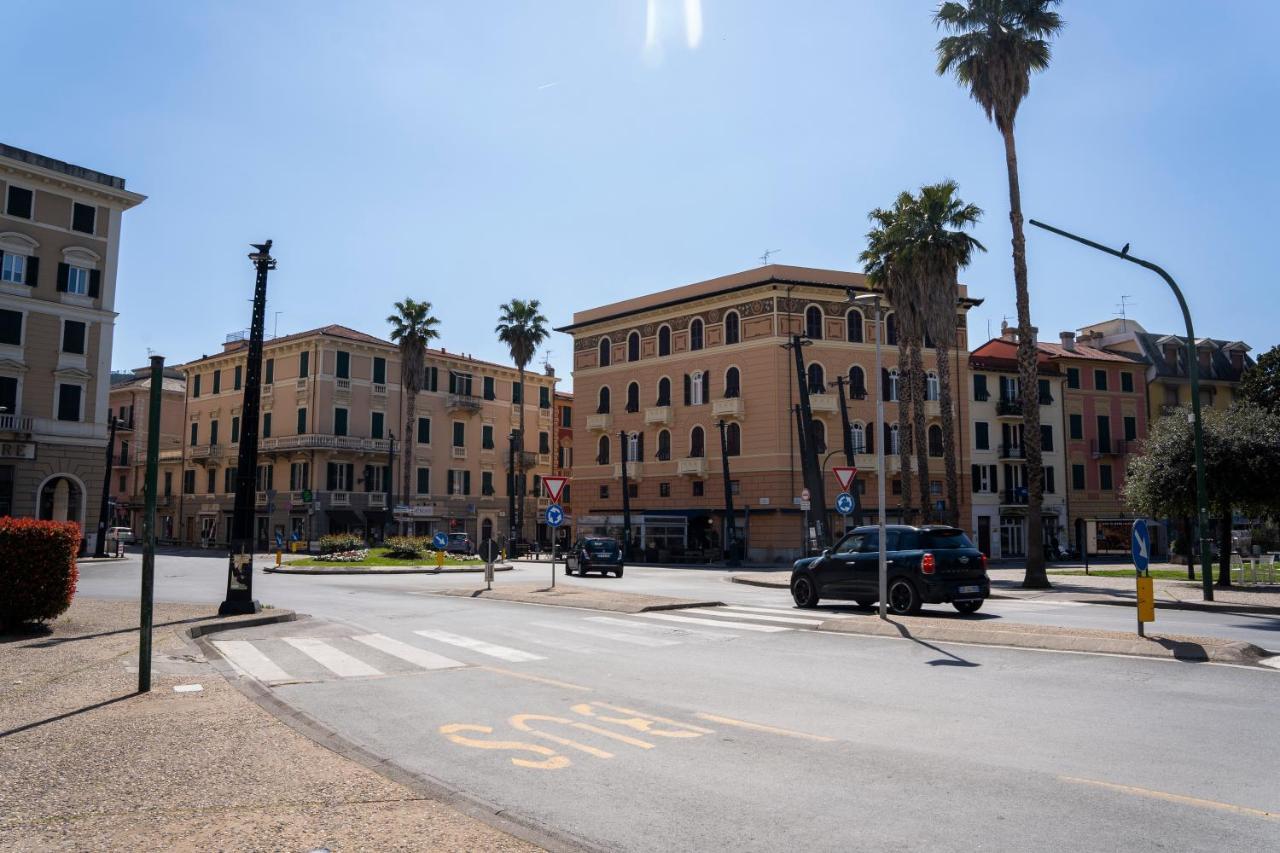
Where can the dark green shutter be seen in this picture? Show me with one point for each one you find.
(64, 270)
(95, 283)
(33, 272)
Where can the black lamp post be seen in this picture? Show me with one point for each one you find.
(626, 497)
(391, 467)
(512, 485)
(731, 524)
(240, 560)
(100, 547)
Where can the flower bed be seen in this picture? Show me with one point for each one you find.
(353, 556)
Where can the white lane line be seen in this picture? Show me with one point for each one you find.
(406, 652)
(715, 623)
(664, 630)
(1037, 602)
(335, 660)
(491, 649)
(716, 611)
(1273, 662)
(605, 633)
(245, 657)
(812, 614)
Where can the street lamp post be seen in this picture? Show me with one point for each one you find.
(626, 497)
(391, 467)
(731, 526)
(873, 299)
(512, 485)
(100, 547)
(1193, 370)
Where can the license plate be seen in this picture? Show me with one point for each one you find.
(964, 589)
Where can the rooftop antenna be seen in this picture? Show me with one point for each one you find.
(764, 259)
(275, 331)
(1122, 313)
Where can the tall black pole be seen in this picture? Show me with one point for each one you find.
(809, 454)
(100, 547)
(626, 498)
(512, 485)
(391, 472)
(849, 450)
(240, 560)
(802, 442)
(149, 524)
(731, 526)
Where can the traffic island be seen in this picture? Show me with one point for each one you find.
(1017, 635)
(340, 569)
(773, 580)
(585, 598)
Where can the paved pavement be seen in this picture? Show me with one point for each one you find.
(745, 728)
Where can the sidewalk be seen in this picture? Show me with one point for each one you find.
(90, 765)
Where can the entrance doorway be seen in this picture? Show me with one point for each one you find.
(1013, 542)
(984, 534)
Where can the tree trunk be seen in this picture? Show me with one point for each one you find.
(1224, 550)
(520, 459)
(952, 516)
(918, 432)
(1028, 375)
(407, 440)
(1186, 546)
(904, 431)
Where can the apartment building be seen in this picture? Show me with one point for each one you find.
(562, 462)
(333, 429)
(655, 375)
(59, 251)
(998, 467)
(129, 404)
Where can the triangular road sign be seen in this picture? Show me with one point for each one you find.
(844, 476)
(554, 485)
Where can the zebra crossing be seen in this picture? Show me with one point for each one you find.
(283, 660)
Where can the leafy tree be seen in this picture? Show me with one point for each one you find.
(522, 328)
(993, 48)
(412, 328)
(1242, 465)
(1260, 384)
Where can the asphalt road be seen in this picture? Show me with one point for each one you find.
(749, 731)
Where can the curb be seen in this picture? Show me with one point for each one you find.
(473, 595)
(753, 582)
(376, 570)
(271, 618)
(1226, 607)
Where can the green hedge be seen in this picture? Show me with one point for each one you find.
(37, 569)
(340, 542)
(409, 546)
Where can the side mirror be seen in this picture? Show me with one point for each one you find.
(826, 552)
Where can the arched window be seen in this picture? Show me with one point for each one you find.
(931, 386)
(697, 443)
(664, 340)
(853, 326)
(731, 383)
(602, 450)
(935, 440)
(857, 383)
(664, 446)
(859, 435)
(893, 449)
(819, 436)
(817, 379)
(891, 385)
(603, 408)
(891, 329)
(633, 346)
(731, 331)
(664, 392)
(635, 447)
(695, 334)
(697, 388)
(606, 352)
(633, 397)
(813, 322)
(733, 439)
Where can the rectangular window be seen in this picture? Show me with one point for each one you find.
(11, 327)
(516, 396)
(664, 490)
(264, 478)
(1046, 395)
(340, 476)
(566, 417)
(379, 370)
(982, 435)
(1077, 477)
(20, 202)
(980, 392)
(343, 370)
(1046, 438)
(1077, 426)
(1104, 434)
(544, 442)
(433, 379)
(78, 280)
(229, 480)
(217, 381)
(1130, 428)
(235, 429)
(486, 437)
(633, 490)
(376, 423)
(235, 381)
(488, 389)
(424, 430)
(271, 371)
(424, 481)
(1099, 380)
(544, 397)
(486, 483)
(13, 268)
(266, 425)
(459, 434)
(1104, 477)
(1073, 377)
(213, 432)
(1050, 487)
(195, 433)
(302, 422)
(69, 402)
(123, 479)
(604, 491)
(304, 364)
(189, 482)
(195, 386)
(82, 217)
(299, 476)
(9, 394)
(211, 482)
(168, 483)
(536, 490)
(698, 488)
(339, 421)
(1126, 382)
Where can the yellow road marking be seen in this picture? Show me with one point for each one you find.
(552, 762)
(742, 724)
(640, 722)
(566, 685)
(1172, 798)
(622, 710)
(519, 722)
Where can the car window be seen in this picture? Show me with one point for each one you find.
(850, 544)
(942, 539)
(871, 541)
(904, 540)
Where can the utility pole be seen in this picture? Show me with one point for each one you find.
(626, 497)
(809, 458)
(849, 449)
(512, 485)
(149, 524)
(731, 525)
(240, 560)
(391, 473)
(100, 547)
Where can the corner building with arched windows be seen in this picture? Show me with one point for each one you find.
(655, 375)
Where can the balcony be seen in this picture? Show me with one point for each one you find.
(380, 389)
(823, 403)
(268, 389)
(260, 498)
(459, 452)
(340, 499)
(635, 470)
(15, 423)
(317, 441)
(1113, 447)
(1008, 408)
(864, 461)
(377, 500)
(731, 407)
(1012, 451)
(1014, 497)
(600, 422)
(693, 467)
(893, 464)
(528, 460)
(165, 455)
(301, 384)
(657, 416)
(342, 386)
(468, 403)
(208, 452)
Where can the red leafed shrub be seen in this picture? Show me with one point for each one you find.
(37, 569)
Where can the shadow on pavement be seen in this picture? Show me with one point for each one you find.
(60, 640)
(947, 659)
(55, 719)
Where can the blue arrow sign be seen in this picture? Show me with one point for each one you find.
(1141, 546)
(555, 515)
(844, 503)
(440, 540)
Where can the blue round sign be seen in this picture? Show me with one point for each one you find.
(440, 540)
(555, 515)
(1141, 546)
(844, 503)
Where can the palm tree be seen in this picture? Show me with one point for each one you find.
(412, 328)
(522, 328)
(993, 48)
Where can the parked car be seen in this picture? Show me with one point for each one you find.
(594, 554)
(460, 543)
(925, 565)
(120, 534)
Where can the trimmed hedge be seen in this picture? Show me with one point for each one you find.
(340, 542)
(37, 569)
(409, 546)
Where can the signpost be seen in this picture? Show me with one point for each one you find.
(844, 476)
(555, 517)
(844, 503)
(488, 553)
(1141, 546)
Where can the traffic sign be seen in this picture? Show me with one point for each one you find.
(844, 503)
(440, 540)
(844, 476)
(804, 495)
(554, 487)
(555, 515)
(805, 505)
(1141, 546)
(489, 551)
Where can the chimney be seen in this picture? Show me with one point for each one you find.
(1068, 340)
(1006, 332)
(548, 369)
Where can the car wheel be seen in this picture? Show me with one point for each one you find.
(804, 591)
(967, 606)
(619, 572)
(903, 600)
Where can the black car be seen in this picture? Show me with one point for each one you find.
(925, 565)
(594, 554)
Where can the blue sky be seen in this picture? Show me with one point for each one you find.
(578, 153)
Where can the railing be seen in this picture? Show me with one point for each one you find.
(301, 384)
(342, 385)
(1046, 399)
(529, 459)
(15, 423)
(380, 388)
(260, 498)
(981, 396)
(459, 452)
(464, 402)
(544, 460)
(207, 451)
(377, 500)
(864, 461)
(731, 407)
(1012, 451)
(1113, 447)
(268, 389)
(320, 441)
(635, 470)
(1009, 408)
(657, 415)
(692, 467)
(599, 423)
(340, 498)
(1014, 497)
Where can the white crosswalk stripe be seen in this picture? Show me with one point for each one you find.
(335, 660)
(606, 634)
(246, 657)
(715, 623)
(406, 652)
(754, 617)
(820, 615)
(664, 630)
(481, 646)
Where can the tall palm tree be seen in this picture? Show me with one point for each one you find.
(993, 48)
(522, 328)
(412, 328)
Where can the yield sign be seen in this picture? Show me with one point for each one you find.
(844, 476)
(555, 485)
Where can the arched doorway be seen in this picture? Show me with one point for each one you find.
(486, 529)
(61, 499)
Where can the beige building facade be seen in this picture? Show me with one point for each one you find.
(59, 250)
(129, 404)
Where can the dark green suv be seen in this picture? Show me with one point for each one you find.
(594, 554)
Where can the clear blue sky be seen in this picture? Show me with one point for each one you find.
(465, 153)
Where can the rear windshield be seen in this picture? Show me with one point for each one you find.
(602, 545)
(937, 539)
